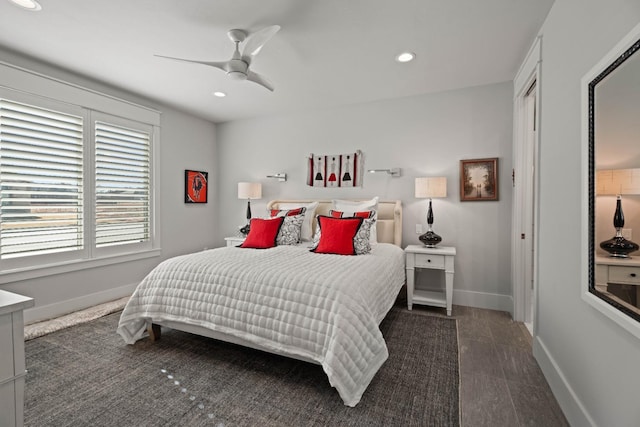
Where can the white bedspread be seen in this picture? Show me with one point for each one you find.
(325, 308)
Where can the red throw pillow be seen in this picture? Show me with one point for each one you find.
(336, 235)
(263, 233)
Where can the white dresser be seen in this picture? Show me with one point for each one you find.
(12, 365)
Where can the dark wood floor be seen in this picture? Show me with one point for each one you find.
(501, 383)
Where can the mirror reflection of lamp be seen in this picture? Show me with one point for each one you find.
(249, 190)
(619, 182)
(430, 187)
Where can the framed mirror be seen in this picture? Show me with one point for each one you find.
(612, 91)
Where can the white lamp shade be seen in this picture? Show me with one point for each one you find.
(249, 190)
(618, 181)
(429, 187)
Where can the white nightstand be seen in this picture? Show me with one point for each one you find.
(438, 258)
(618, 271)
(234, 241)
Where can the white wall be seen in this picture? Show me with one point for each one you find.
(590, 362)
(425, 136)
(186, 142)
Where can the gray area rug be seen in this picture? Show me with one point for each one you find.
(86, 376)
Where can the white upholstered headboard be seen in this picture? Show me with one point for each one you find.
(389, 224)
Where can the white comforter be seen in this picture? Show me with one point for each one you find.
(325, 308)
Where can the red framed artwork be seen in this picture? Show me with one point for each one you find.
(195, 186)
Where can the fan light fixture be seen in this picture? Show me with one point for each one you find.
(30, 5)
(406, 57)
(238, 67)
(219, 94)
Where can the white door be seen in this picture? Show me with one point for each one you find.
(524, 218)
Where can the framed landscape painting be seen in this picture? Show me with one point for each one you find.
(195, 186)
(479, 179)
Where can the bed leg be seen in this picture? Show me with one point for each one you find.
(154, 331)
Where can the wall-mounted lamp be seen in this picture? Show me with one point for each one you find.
(282, 177)
(249, 190)
(395, 172)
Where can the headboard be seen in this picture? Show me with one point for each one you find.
(389, 224)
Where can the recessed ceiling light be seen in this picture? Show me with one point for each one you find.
(219, 94)
(405, 57)
(31, 5)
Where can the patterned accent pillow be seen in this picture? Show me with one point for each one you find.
(309, 216)
(361, 240)
(339, 235)
(289, 233)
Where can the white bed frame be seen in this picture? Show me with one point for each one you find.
(389, 229)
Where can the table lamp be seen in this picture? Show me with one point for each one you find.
(430, 187)
(249, 190)
(618, 182)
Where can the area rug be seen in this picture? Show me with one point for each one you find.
(39, 329)
(85, 375)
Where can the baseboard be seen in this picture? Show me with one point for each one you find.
(50, 311)
(571, 406)
(483, 300)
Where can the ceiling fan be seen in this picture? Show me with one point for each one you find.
(238, 66)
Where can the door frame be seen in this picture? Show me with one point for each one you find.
(525, 186)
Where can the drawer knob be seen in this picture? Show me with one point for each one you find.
(430, 261)
(632, 274)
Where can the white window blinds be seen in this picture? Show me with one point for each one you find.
(122, 183)
(41, 181)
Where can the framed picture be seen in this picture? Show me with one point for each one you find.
(195, 186)
(479, 179)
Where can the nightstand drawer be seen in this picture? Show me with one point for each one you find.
(429, 261)
(618, 274)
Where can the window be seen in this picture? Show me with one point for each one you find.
(122, 185)
(74, 184)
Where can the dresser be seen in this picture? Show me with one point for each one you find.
(438, 258)
(618, 271)
(12, 365)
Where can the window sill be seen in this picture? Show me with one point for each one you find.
(17, 275)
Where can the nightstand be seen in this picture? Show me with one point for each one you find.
(438, 258)
(234, 241)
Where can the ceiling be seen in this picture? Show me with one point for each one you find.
(327, 53)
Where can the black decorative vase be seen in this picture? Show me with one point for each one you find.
(618, 246)
(430, 239)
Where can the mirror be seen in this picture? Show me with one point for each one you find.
(614, 182)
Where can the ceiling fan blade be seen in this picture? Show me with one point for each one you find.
(254, 43)
(220, 65)
(257, 78)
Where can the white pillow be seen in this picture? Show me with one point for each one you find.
(309, 216)
(350, 206)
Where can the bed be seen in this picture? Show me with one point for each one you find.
(320, 308)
